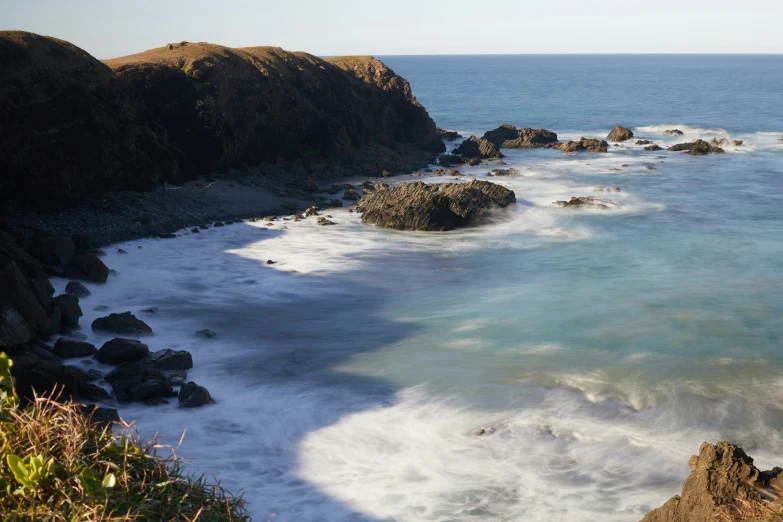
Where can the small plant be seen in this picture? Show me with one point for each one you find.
(59, 466)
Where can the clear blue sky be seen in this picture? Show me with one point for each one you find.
(110, 28)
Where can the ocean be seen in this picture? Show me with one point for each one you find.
(597, 349)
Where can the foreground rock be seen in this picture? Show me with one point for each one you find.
(697, 148)
(583, 145)
(620, 134)
(124, 323)
(509, 137)
(721, 476)
(474, 147)
(191, 395)
(432, 207)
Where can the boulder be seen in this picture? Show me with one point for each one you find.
(447, 160)
(134, 381)
(90, 267)
(643, 142)
(583, 145)
(77, 289)
(474, 147)
(719, 142)
(737, 143)
(168, 360)
(351, 195)
(590, 202)
(94, 375)
(120, 350)
(325, 222)
(504, 172)
(100, 416)
(70, 311)
(37, 370)
(209, 334)
(191, 395)
(697, 148)
(525, 138)
(124, 323)
(52, 250)
(673, 132)
(432, 207)
(620, 134)
(336, 203)
(653, 147)
(67, 348)
(721, 476)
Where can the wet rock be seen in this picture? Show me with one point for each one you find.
(270, 218)
(474, 147)
(53, 250)
(351, 195)
(209, 334)
(270, 262)
(333, 189)
(195, 230)
(697, 148)
(120, 350)
(91, 392)
(325, 222)
(601, 188)
(653, 147)
(124, 323)
(66, 348)
(100, 416)
(447, 160)
(643, 142)
(167, 359)
(191, 395)
(218, 224)
(77, 289)
(201, 227)
(336, 203)
(620, 133)
(432, 207)
(719, 142)
(673, 132)
(448, 135)
(137, 382)
(737, 143)
(509, 137)
(590, 202)
(69, 309)
(90, 267)
(310, 211)
(176, 377)
(93, 375)
(721, 476)
(505, 172)
(473, 162)
(454, 172)
(583, 145)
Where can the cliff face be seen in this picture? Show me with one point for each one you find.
(69, 126)
(238, 108)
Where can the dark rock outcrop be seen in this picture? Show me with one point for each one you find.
(120, 350)
(474, 147)
(447, 160)
(70, 311)
(169, 360)
(509, 137)
(124, 323)
(66, 348)
(697, 148)
(448, 135)
(643, 142)
(737, 143)
(77, 289)
(89, 267)
(432, 207)
(226, 107)
(191, 395)
(721, 476)
(653, 147)
(619, 133)
(583, 145)
(673, 132)
(69, 126)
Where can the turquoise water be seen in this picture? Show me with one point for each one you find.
(597, 349)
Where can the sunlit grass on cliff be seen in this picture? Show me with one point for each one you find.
(59, 466)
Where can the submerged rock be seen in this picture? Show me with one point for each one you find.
(721, 476)
(503, 172)
(643, 142)
(673, 132)
(432, 207)
(620, 133)
(583, 145)
(719, 142)
(697, 148)
(737, 143)
(124, 323)
(585, 202)
(653, 147)
(474, 147)
(191, 395)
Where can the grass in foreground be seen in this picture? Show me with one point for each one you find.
(754, 511)
(58, 466)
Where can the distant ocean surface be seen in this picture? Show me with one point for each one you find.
(597, 349)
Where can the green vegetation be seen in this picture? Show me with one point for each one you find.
(59, 466)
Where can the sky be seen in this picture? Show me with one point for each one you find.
(111, 28)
